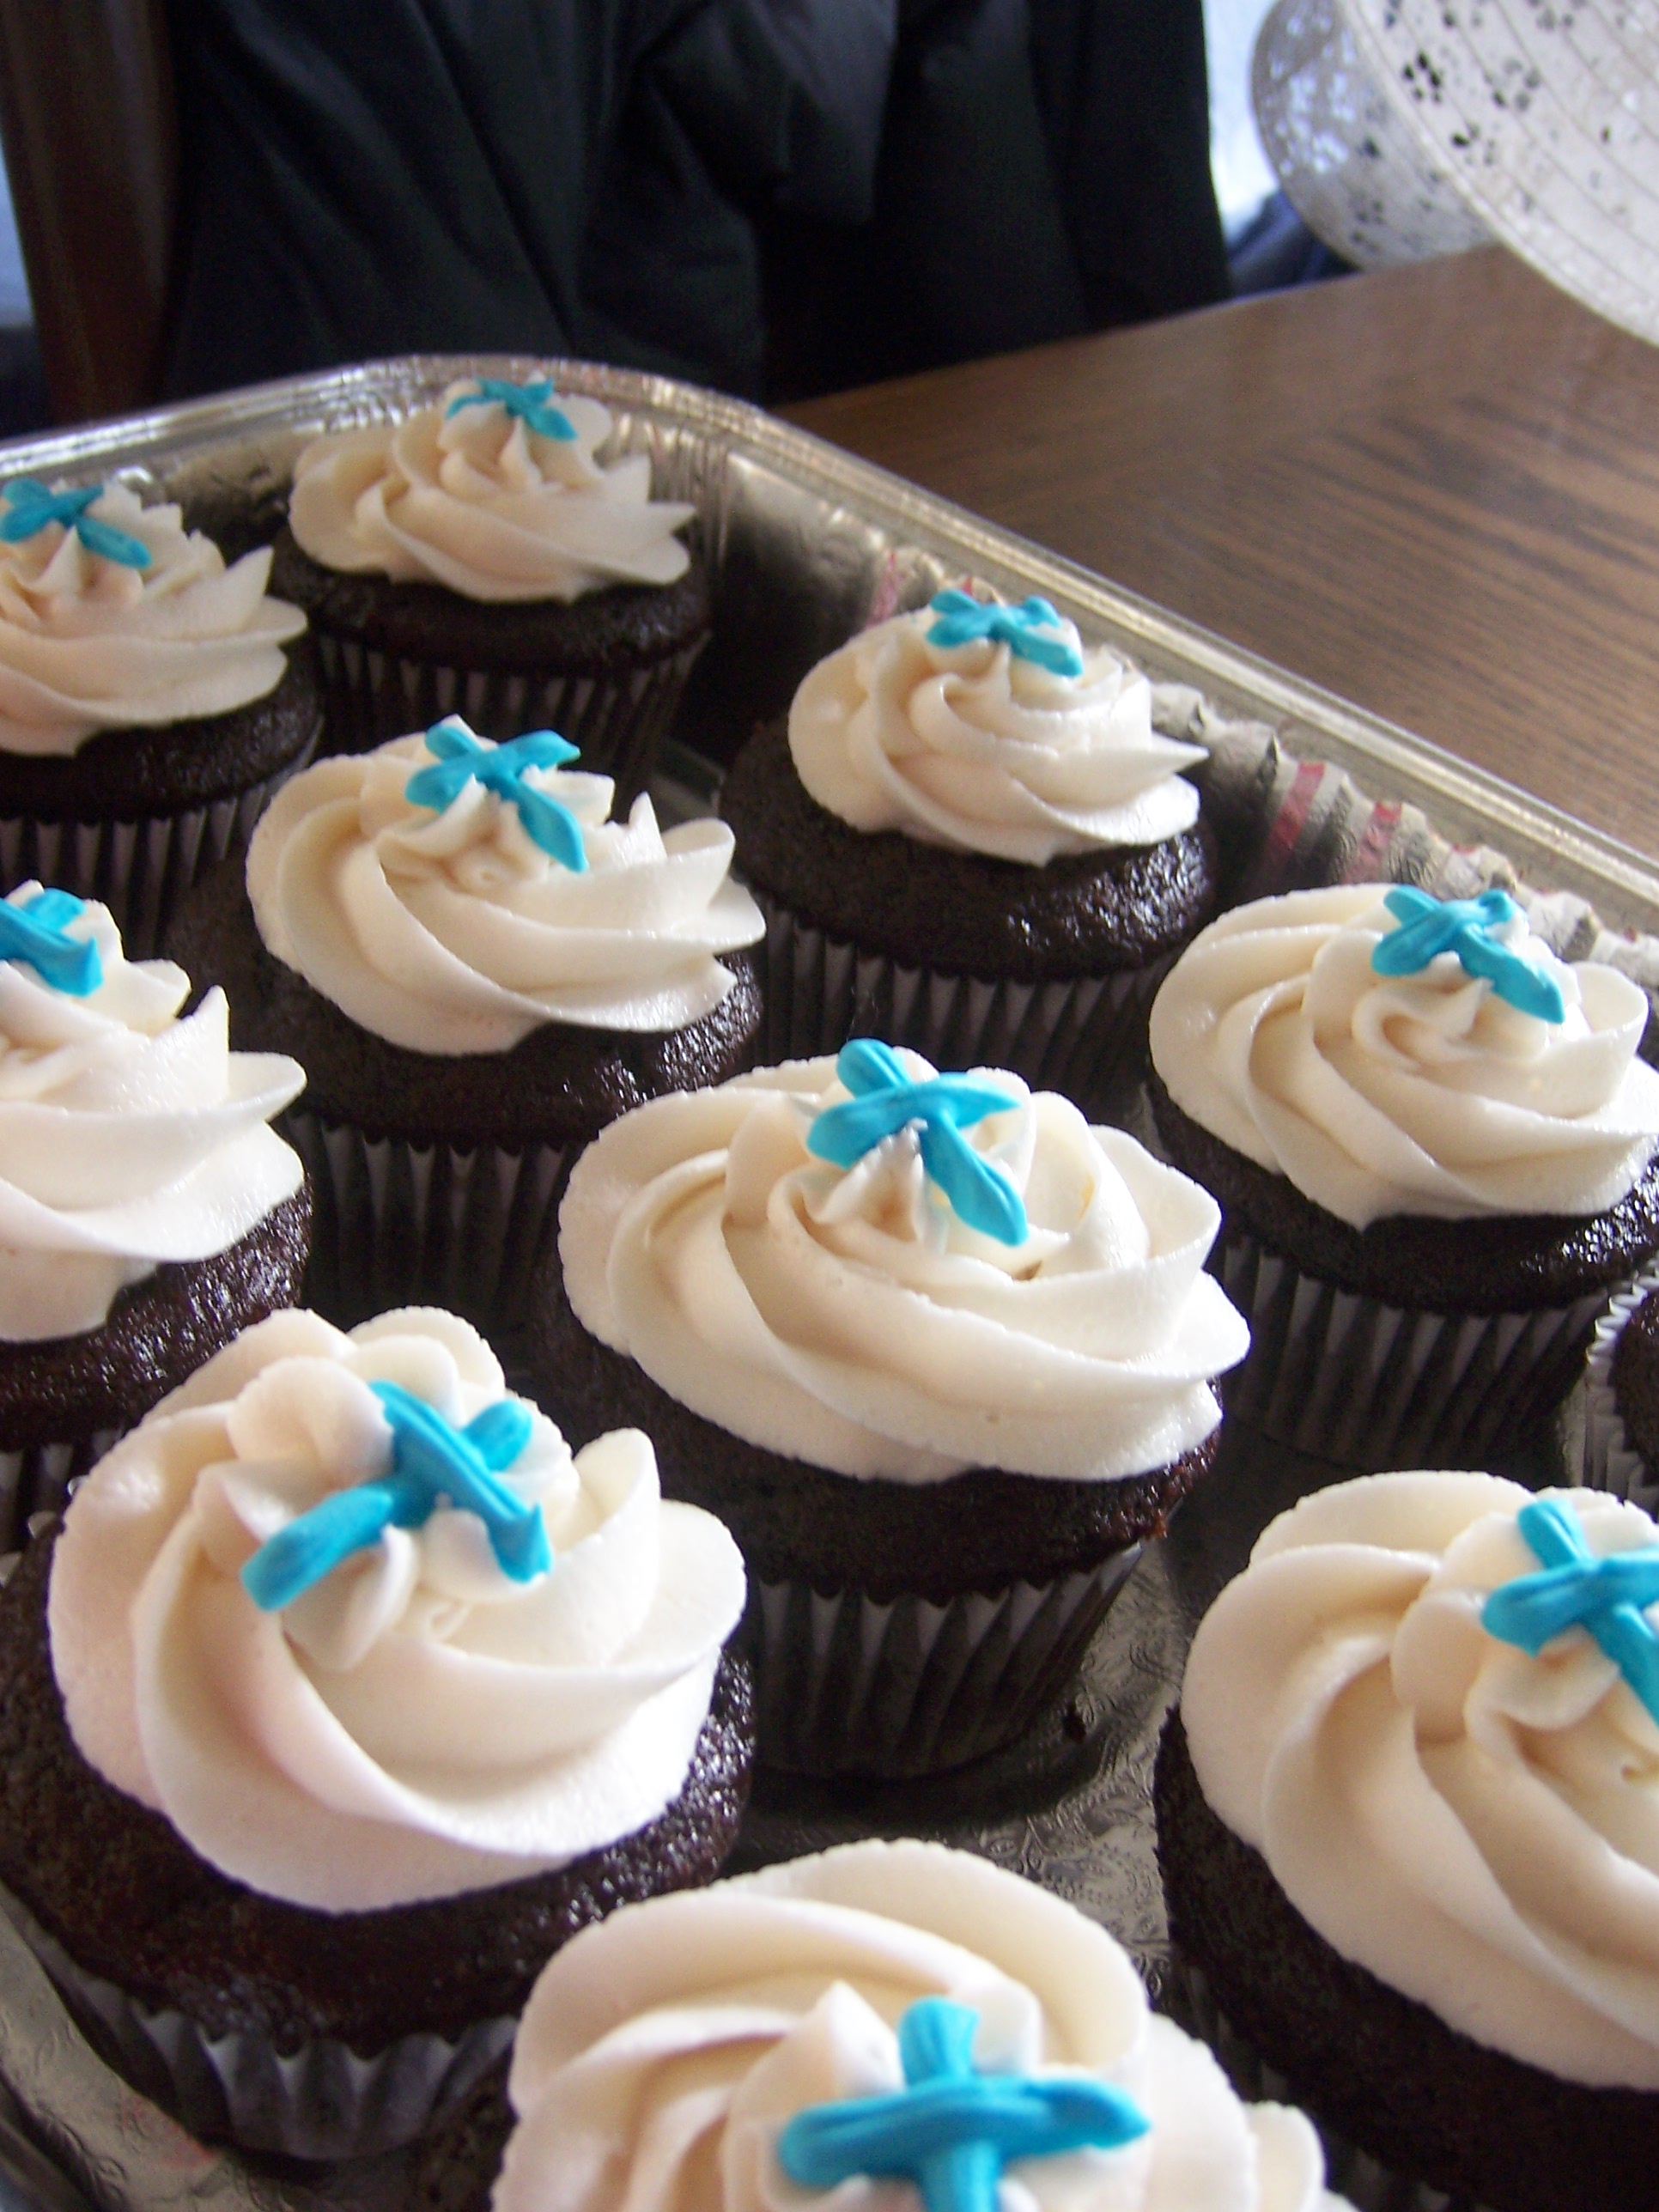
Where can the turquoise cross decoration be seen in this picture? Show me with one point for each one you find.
(1429, 926)
(964, 621)
(31, 508)
(532, 403)
(885, 1101)
(462, 758)
(1610, 1598)
(37, 934)
(433, 1463)
(951, 2130)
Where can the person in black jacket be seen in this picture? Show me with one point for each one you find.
(772, 197)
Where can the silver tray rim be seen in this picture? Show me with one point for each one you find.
(1552, 848)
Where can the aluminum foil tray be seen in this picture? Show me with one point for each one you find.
(805, 546)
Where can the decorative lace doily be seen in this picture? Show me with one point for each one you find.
(1546, 112)
(1350, 166)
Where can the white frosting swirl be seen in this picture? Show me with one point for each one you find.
(851, 1320)
(972, 747)
(1479, 1828)
(1411, 1094)
(127, 1136)
(456, 932)
(88, 644)
(480, 502)
(417, 1724)
(664, 2051)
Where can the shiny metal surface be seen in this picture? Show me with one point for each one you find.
(804, 542)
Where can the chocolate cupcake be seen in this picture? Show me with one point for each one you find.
(1434, 1147)
(828, 2031)
(1404, 1824)
(1621, 1396)
(479, 558)
(937, 1351)
(151, 699)
(341, 1699)
(478, 969)
(147, 1212)
(970, 840)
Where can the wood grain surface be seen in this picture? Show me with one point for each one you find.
(1434, 491)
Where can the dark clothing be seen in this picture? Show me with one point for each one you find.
(770, 196)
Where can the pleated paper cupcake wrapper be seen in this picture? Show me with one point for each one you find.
(139, 870)
(37, 1479)
(1372, 1386)
(848, 1685)
(395, 1224)
(1083, 1036)
(322, 2102)
(615, 721)
(1368, 2184)
(1611, 1461)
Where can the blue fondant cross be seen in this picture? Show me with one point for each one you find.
(37, 934)
(31, 508)
(532, 403)
(885, 1101)
(964, 621)
(433, 1463)
(951, 2130)
(1609, 1597)
(1429, 927)
(462, 759)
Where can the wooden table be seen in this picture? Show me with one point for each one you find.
(1434, 491)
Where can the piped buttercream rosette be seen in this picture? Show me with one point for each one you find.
(1420, 1705)
(450, 929)
(850, 1318)
(486, 493)
(1014, 741)
(1426, 1092)
(128, 1137)
(418, 1721)
(672, 2057)
(89, 643)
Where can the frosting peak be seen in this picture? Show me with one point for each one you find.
(418, 1720)
(673, 2057)
(991, 732)
(1422, 1092)
(1473, 1817)
(115, 617)
(850, 1318)
(457, 932)
(127, 1136)
(497, 492)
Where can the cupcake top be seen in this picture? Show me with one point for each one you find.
(1393, 1054)
(886, 1273)
(355, 1621)
(495, 493)
(989, 729)
(127, 1136)
(452, 896)
(113, 616)
(818, 2033)
(1431, 1703)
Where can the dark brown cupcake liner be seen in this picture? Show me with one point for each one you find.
(1368, 2185)
(322, 2102)
(1076, 1035)
(1348, 1379)
(894, 1689)
(616, 720)
(139, 870)
(1611, 1461)
(38, 1478)
(398, 1224)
